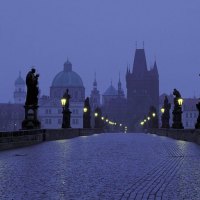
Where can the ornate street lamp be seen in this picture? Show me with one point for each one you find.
(98, 122)
(162, 110)
(152, 121)
(85, 109)
(153, 114)
(177, 112)
(66, 112)
(86, 114)
(180, 101)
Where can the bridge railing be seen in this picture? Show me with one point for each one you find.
(190, 135)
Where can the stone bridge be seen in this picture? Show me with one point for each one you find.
(102, 166)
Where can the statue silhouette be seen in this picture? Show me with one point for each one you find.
(32, 88)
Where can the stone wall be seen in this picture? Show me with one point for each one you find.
(10, 140)
(57, 134)
(190, 135)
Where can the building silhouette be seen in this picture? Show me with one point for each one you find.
(95, 100)
(114, 103)
(142, 90)
(20, 90)
(50, 110)
(94, 96)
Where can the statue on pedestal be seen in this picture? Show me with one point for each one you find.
(31, 104)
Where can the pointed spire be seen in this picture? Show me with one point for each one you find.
(155, 69)
(95, 81)
(120, 90)
(119, 84)
(139, 64)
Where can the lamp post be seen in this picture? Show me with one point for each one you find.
(153, 120)
(86, 114)
(165, 113)
(177, 112)
(66, 112)
(98, 122)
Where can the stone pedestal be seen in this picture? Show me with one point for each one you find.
(31, 121)
(177, 118)
(66, 118)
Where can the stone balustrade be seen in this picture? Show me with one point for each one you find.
(9, 140)
(190, 135)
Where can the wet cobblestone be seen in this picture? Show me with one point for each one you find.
(105, 166)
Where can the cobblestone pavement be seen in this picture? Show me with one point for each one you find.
(106, 166)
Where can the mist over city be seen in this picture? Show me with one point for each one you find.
(99, 99)
(99, 37)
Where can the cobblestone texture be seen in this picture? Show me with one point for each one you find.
(105, 166)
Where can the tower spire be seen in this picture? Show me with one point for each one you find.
(139, 64)
(119, 84)
(155, 69)
(95, 81)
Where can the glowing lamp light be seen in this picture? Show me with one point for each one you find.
(106, 120)
(145, 120)
(141, 123)
(180, 101)
(162, 110)
(96, 114)
(85, 110)
(148, 118)
(102, 118)
(63, 102)
(120, 125)
(153, 114)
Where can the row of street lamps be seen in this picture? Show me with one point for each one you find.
(165, 110)
(99, 120)
(151, 121)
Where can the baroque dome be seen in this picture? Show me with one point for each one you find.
(67, 77)
(19, 80)
(111, 91)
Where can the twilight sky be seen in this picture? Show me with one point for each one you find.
(100, 36)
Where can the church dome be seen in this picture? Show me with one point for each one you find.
(19, 80)
(67, 77)
(111, 91)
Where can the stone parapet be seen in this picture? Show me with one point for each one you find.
(190, 135)
(10, 140)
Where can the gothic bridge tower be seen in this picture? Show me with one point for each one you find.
(142, 90)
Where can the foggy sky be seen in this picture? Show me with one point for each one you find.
(100, 36)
